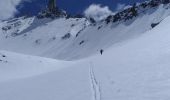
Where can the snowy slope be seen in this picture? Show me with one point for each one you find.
(137, 69)
(74, 38)
(40, 35)
(16, 66)
(134, 65)
(24, 77)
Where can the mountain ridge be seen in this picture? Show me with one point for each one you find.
(75, 38)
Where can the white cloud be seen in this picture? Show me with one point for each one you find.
(7, 8)
(97, 12)
(120, 6)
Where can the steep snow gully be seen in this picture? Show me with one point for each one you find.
(134, 65)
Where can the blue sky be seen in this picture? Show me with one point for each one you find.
(71, 6)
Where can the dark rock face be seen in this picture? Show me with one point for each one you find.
(52, 11)
(55, 14)
(66, 36)
(154, 24)
(165, 1)
(52, 5)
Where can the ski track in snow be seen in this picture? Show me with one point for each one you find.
(96, 89)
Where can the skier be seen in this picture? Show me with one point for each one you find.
(101, 51)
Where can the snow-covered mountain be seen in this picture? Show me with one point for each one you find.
(134, 65)
(76, 38)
